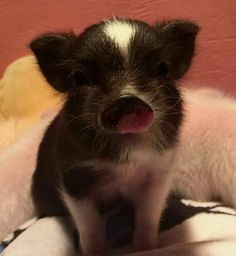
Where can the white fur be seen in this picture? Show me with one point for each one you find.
(88, 223)
(121, 33)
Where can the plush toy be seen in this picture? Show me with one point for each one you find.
(24, 96)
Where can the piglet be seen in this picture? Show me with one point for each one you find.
(117, 131)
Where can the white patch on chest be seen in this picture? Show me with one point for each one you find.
(142, 165)
(121, 33)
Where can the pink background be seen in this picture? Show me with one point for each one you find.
(215, 62)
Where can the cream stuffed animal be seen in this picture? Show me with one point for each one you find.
(24, 96)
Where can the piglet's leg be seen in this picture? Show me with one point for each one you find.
(149, 203)
(89, 224)
(78, 185)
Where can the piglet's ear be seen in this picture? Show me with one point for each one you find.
(55, 53)
(177, 39)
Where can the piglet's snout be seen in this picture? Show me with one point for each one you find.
(128, 114)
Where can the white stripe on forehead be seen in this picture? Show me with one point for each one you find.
(121, 33)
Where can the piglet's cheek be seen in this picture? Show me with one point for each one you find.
(137, 122)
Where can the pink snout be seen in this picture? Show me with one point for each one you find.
(128, 114)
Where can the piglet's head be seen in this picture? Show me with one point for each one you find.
(120, 78)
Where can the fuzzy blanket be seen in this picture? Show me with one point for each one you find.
(188, 228)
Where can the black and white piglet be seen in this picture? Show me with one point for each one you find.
(117, 131)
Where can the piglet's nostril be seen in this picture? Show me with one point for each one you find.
(128, 114)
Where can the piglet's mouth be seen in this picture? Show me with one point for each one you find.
(128, 115)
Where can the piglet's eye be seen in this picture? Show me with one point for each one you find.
(163, 68)
(80, 78)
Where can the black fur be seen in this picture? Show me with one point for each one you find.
(82, 181)
(92, 70)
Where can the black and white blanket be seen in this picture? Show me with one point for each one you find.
(187, 228)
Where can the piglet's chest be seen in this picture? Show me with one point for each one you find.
(101, 179)
(130, 177)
